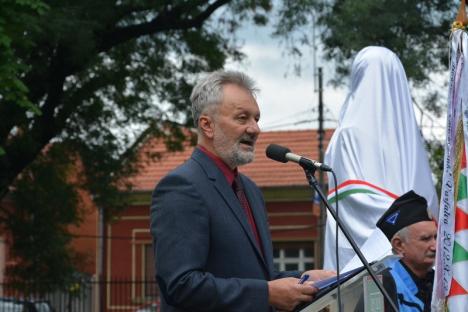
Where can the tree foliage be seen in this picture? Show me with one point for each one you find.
(13, 16)
(38, 224)
(87, 81)
(417, 31)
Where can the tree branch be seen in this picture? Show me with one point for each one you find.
(21, 151)
(171, 20)
(27, 145)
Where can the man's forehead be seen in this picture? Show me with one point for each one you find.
(423, 227)
(238, 98)
(238, 91)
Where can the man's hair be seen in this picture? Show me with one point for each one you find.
(208, 92)
(403, 234)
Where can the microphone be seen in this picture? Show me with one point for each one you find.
(283, 154)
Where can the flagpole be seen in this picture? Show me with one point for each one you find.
(450, 292)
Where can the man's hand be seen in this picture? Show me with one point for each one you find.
(317, 275)
(286, 293)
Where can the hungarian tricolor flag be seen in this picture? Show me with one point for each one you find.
(451, 278)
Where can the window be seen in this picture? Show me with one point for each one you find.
(151, 289)
(149, 262)
(293, 256)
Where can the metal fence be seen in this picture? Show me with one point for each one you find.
(121, 295)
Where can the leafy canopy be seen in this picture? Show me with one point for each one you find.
(417, 31)
(86, 82)
(82, 85)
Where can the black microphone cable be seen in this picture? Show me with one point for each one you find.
(337, 254)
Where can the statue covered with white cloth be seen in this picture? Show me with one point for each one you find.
(377, 153)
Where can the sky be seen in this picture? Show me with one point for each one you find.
(286, 101)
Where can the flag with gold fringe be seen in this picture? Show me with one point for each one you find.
(451, 276)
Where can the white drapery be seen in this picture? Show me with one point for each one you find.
(377, 153)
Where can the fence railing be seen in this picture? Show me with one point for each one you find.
(121, 295)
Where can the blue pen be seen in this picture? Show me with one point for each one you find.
(304, 278)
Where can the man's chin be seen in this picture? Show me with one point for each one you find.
(246, 148)
(243, 158)
(430, 263)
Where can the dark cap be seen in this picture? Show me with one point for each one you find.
(408, 209)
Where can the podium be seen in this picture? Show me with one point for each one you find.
(358, 292)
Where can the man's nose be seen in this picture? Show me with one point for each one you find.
(253, 127)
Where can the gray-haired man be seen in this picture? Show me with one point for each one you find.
(213, 248)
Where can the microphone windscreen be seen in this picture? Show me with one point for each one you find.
(277, 152)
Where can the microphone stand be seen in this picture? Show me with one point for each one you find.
(309, 172)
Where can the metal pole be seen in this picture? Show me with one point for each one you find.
(314, 53)
(320, 133)
(100, 266)
(314, 183)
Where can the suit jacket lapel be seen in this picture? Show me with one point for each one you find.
(233, 203)
(225, 190)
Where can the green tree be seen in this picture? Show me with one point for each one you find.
(417, 31)
(89, 81)
(39, 223)
(13, 16)
(91, 67)
(86, 82)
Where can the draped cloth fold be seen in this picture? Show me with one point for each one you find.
(377, 153)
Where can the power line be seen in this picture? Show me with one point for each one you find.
(273, 127)
(300, 113)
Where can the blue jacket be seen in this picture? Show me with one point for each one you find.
(407, 290)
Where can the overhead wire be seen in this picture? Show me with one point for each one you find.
(284, 123)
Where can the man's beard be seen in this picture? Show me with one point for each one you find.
(230, 151)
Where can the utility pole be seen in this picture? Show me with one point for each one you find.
(323, 212)
(318, 87)
(101, 261)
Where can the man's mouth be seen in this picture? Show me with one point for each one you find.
(431, 255)
(247, 141)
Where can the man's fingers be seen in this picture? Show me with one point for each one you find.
(308, 289)
(306, 298)
(312, 285)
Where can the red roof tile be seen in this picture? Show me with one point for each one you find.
(264, 171)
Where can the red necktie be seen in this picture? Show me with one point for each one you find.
(239, 189)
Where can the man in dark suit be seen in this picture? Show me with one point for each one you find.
(213, 249)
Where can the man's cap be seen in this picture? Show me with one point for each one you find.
(408, 209)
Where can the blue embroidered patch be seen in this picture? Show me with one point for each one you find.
(392, 218)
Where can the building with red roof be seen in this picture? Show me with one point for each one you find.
(293, 216)
(127, 250)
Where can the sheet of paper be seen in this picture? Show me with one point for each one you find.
(375, 248)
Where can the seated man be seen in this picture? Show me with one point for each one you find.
(412, 234)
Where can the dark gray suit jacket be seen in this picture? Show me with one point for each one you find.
(206, 255)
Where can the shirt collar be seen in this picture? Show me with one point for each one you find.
(225, 169)
(418, 280)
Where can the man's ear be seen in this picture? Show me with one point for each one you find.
(397, 243)
(206, 125)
